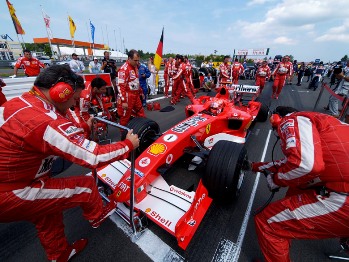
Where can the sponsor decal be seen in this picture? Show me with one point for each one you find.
(68, 129)
(89, 145)
(287, 124)
(77, 139)
(246, 88)
(157, 149)
(208, 128)
(290, 142)
(147, 210)
(191, 222)
(182, 127)
(66, 92)
(159, 218)
(103, 175)
(118, 193)
(169, 159)
(289, 132)
(210, 141)
(137, 172)
(199, 201)
(132, 74)
(180, 192)
(170, 138)
(121, 75)
(109, 181)
(145, 161)
(123, 186)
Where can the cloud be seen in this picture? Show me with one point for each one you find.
(284, 40)
(258, 2)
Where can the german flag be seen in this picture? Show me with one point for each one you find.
(158, 56)
(16, 23)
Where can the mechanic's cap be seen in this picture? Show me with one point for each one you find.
(74, 54)
(95, 58)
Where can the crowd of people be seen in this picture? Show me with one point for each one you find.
(58, 124)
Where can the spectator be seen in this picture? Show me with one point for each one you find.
(2, 96)
(152, 78)
(31, 65)
(316, 171)
(342, 89)
(144, 73)
(39, 133)
(294, 71)
(94, 66)
(308, 71)
(129, 92)
(208, 83)
(76, 65)
(109, 66)
(301, 71)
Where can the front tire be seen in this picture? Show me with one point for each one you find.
(147, 131)
(223, 176)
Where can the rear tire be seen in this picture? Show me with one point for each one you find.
(223, 176)
(263, 113)
(147, 131)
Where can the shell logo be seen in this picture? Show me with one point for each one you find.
(157, 149)
(147, 210)
(103, 175)
(208, 128)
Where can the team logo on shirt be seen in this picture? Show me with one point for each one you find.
(69, 129)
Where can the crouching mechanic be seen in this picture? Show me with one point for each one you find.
(93, 93)
(316, 170)
(34, 131)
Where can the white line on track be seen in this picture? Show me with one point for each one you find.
(151, 244)
(232, 253)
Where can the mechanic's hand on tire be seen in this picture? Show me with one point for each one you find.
(246, 165)
(133, 138)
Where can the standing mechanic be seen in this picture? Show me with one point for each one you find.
(262, 73)
(34, 131)
(31, 65)
(225, 71)
(237, 69)
(283, 70)
(129, 102)
(316, 170)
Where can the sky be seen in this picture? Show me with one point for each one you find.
(305, 29)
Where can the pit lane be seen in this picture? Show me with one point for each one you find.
(220, 231)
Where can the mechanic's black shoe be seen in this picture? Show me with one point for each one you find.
(107, 211)
(72, 250)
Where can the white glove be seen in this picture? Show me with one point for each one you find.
(13, 76)
(271, 185)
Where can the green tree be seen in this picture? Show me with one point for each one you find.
(344, 58)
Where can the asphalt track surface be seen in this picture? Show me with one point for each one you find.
(221, 227)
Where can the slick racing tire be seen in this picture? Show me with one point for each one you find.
(147, 131)
(223, 176)
(263, 113)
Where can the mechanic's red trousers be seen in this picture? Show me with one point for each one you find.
(235, 76)
(167, 84)
(260, 81)
(279, 83)
(305, 215)
(2, 97)
(135, 107)
(181, 87)
(43, 203)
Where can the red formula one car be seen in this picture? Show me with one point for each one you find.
(212, 136)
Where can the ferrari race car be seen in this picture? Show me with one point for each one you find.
(212, 137)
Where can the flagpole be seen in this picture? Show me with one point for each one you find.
(89, 40)
(23, 41)
(102, 35)
(48, 36)
(116, 45)
(106, 29)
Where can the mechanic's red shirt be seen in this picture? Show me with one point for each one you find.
(128, 80)
(31, 66)
(237, 68)
(263, 71)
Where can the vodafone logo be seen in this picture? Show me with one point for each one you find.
(145, 161)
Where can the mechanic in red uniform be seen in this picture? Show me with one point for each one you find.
(316, 171)
(129, 102)
(168, 74)
(179, 81)
(262, 73)
(34, 131)
(225, 71)
(283, 70)
(2, 96)
(31, 64)
(188, 76)
(237, 70)
(93, 94)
